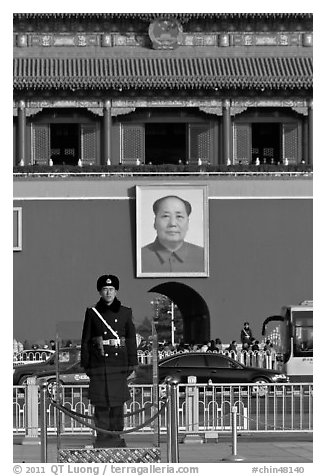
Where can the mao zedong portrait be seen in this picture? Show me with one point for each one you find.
(170, 252)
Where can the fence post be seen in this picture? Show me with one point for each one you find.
(234, 456)
(44, 422)
(31, 431)
(172, 423)
(156, 422)
(259, 360)
(192, 412)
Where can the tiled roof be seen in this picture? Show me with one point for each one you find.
(244, 72)
(152, 16)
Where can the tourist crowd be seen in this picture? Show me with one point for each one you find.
(247, 343)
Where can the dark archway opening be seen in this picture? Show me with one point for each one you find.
(266, 142)
(165, 143)
(65, 143)
(194, 310)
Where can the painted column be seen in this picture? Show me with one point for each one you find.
(310, 133)
(107, 130)
(21, 149)
(305, 140)
(226, 132)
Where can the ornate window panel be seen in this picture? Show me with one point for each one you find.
(88, 144)
(40, 144)
(290, 143)
(199, 143)
(132, 140)
(242, 143)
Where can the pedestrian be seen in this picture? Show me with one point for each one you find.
(191, 346)
(52, 344)
(182, 347)
(268, 348)
(246, 335)
(15, 346)
(218, 344)
(109, 356)
(232, 347)
(20, 346)
(255, 346)
(168, 348)
(204, 347)
(212, 346)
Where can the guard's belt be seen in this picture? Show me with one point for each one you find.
(115, 342)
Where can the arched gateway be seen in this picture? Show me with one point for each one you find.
(193, 308)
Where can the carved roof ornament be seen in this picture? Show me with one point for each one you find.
(165, 34)
(217, 110)
(116, 111)
(238, 110)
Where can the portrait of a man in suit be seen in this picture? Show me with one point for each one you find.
(170, 251)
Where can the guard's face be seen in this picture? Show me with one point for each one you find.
(108, 293)
(171, 222)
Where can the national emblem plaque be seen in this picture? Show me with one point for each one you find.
(165, 34)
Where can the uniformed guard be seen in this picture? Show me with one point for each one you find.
(108, 355)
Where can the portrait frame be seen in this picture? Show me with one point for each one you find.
(196, 238)
(17, 229)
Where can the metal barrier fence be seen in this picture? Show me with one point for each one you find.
(252, 359)
(28, 356)
(260, 358)
(201, 408)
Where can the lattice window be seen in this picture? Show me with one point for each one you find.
(70, 152)
(268, 152)
(242, 143)
(132, 143)
(55, 153)
(40, 144)
(199, 140)
(290, 142)
(88, 144)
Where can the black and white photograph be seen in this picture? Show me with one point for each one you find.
(162, 248)
(172, 230)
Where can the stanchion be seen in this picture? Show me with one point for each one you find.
(172, 420)
(105, 455)
(192, 413)
(168, 419)
(156, 422)
(31, 437)
(58, 393)
(234, 457)
(44, 422)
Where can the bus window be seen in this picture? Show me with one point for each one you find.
(277, 333)
(302, 334)
(292, 337)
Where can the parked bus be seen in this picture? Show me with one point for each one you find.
(291, 334)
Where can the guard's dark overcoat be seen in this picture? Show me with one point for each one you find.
(108, 373)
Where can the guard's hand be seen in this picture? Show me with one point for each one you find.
(98, 344)
(131, 369)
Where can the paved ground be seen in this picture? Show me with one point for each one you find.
(255, 448)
